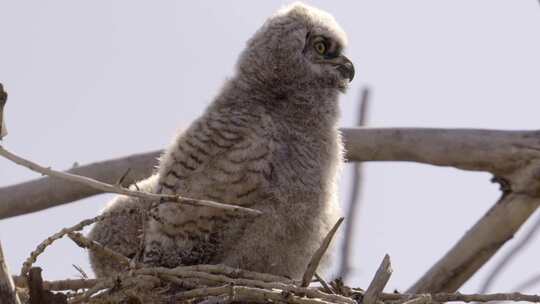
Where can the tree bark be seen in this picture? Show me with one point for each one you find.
(8, 293)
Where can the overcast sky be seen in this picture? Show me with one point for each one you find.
(92, 80)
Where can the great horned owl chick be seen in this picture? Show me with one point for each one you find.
(269, 141)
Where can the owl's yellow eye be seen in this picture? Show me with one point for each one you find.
(320, 47)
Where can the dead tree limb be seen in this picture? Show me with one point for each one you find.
(478, 245)
(8, 293)
(509, 256)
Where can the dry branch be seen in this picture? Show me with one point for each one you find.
(478, 245)
(120, 190)
(459, 297)
(43, 193)
(83, 242)
(318, 255)
(379, 281)
(7, 288)
(505, 260)
(47, 192)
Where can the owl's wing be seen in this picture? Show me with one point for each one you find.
(223, 157)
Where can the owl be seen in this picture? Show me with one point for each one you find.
(268, 141)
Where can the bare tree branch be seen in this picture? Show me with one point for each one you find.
(354, 199)
(8, 294)
(120, 190)
(478, 245)
(511, 254)
(459, 297)
(47, 192)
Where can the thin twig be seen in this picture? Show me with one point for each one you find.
(256, 295)
(422, 299)
(184, 272)
(459, 297)
(511, 254)
(379, 281)
(354, 200)
(119, 190)
(83, 242)
(47, 242)
(324, 284)
(318, 255)
(530, 282)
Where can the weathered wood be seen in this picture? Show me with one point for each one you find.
(379, 281)
(8, 293)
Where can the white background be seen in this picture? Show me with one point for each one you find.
(93, 80)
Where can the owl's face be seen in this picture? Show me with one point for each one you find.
(324, 55)
(298, 49)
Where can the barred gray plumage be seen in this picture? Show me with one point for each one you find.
(269, 141)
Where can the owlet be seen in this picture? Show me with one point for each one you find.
(269, 141)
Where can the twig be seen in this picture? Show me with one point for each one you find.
(3, 100)
(36, 195)
(511, 254)
(119, 190)
(354, 199)
(48, 241)
(422, 299)
(530, 282)
(238, 273)
(100, 285)
(318, 255)
(184, 272)
(256, 295)
(7, 289)
(203, 292)
(83, 274)
(459, 297)
(324, 284)
(83, 242)
(379, 281)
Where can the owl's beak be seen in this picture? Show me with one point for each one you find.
(345, 67)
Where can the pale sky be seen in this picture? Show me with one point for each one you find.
(93, 80)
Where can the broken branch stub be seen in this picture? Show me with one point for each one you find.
(3, 100)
